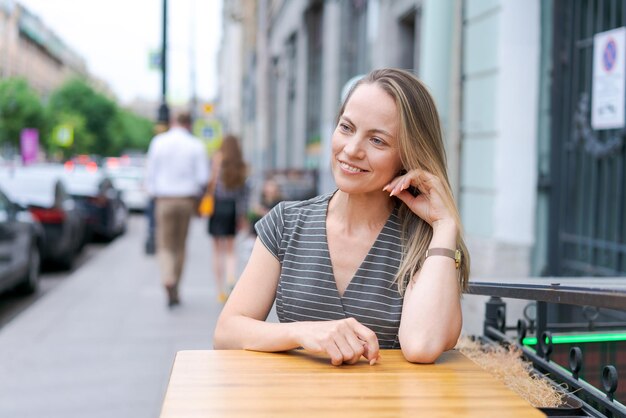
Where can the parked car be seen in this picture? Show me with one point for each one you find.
(21, 241)
(101, 203)
(43, 193)
(130, 182)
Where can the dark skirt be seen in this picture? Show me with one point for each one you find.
(223, 222)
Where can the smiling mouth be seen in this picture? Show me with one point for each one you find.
(350, 168)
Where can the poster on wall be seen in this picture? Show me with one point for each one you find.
(608, 88)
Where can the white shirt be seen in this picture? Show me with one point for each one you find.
(177, 165)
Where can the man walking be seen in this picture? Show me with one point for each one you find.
(177, 174)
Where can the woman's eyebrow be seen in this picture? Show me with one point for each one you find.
(375, 130)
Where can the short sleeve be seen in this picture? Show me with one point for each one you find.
(270, 229)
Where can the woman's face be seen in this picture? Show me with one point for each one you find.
(365, 142)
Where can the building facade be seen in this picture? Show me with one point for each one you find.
(30, 50)
(496, 69)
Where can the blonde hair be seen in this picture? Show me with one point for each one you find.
(421, 146)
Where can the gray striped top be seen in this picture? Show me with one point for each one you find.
(295, 233)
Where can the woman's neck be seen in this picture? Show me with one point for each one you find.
(355, 212)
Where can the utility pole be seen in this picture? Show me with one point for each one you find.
(163, 117)
(192, 62)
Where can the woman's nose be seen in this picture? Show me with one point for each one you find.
(354, 148)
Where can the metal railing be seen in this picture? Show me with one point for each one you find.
(599, 292)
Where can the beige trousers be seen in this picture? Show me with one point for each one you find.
(172, 223)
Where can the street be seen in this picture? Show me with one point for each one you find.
(12, 304)
(100, 341)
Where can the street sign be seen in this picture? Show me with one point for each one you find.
(154, 60)
(210, 131)
(608, 88)
(63, 135)
(208, 108)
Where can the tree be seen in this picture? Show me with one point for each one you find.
(100, 126)
(20, 108)
(77, 97)
(137, 131)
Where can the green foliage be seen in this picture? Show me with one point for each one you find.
(20, 108)
(99, 125)
(108, 129)
(130, 131)
(98, 111)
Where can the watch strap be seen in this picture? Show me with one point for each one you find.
(446, 252)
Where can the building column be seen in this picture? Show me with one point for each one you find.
(330, 89)
(440, 62)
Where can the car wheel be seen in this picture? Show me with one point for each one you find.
(66, 262)
(30, 281)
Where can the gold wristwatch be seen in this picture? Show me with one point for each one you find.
(446, 252)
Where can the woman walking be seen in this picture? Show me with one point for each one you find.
(228, 183)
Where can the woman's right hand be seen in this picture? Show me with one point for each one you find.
(344, 340)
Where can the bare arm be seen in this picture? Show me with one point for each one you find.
(431, 312)
(242, 325)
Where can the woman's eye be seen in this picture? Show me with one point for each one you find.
(344, 127)
(377, 141)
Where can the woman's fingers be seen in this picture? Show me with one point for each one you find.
(369, 339)
(350, 348)
(335, 354)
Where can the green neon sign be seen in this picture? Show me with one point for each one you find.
(581, 338)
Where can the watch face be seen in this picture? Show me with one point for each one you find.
(457, 258)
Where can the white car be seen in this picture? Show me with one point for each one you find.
(130, 182)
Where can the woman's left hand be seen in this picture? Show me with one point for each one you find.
(430, 204)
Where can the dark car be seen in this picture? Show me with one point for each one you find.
(21, 240)
(41, 190)
(101, 203)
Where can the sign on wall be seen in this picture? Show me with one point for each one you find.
(608, 87)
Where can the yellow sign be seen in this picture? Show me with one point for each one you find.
(63, 135)
(210, 131)
(208, 108)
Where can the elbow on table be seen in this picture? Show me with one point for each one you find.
(424, 353)
(220, 339)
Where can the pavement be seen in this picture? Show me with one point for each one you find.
(102, 343)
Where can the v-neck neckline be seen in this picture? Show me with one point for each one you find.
(367, 255)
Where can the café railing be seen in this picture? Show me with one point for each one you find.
(582, 291)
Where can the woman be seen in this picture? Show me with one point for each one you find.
(228, 184)
(350, 270)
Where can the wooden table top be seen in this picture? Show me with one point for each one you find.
(237, 383)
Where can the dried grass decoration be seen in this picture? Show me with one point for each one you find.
(507, 365)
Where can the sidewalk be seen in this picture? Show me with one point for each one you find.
(102, 343)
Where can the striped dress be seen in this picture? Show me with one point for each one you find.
(295, 233)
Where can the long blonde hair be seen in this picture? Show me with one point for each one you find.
(421, 146)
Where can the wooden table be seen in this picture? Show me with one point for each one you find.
(234, 383)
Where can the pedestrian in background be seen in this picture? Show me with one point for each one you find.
(378, 263)
(270, 197)
(176, 176)
(228, 185)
